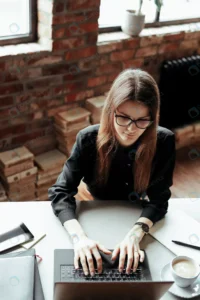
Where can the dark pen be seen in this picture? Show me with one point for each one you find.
(187, 245)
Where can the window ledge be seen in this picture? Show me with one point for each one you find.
(158, 31)
(45, 45)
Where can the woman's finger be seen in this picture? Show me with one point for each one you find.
(136, 259)
(98, 260)
(76, 258)
(142, 255)
(130, 258)
(90, 261)
(115, 252)
(83, 262)
(122, 260)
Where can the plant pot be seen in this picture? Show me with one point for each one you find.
(132, 23)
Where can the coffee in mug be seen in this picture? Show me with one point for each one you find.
(184, 270)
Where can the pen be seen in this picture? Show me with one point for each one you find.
(187, 245)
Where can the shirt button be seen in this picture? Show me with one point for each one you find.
(126, 183)
(129, 165)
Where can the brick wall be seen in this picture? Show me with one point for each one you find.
(35, 86)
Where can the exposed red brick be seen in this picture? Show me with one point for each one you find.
(82, 4)
(58, 33)
(147, 51)
(90, 64)
(134, 63)
(102, 89)
(150, 40)
(173, 37)
(67, 44)
(192, 35)
(109, 47)
(34, 72)
(74, 86)
(92, 15)
(42, 61)
(96, 81)
(76, 74)
(42, 82)
(190, 44)
(91, 39)
(168, 47)
(30, 96)
(79, 96)
(58, 7)
(75, 29)
(11, 89)
(80, 53)
(108, 68)
(26, 137)
(112, 77)
(122, 55)
(2, 66)
(131, 43)
(68, 18)
(6, 101)
(14, 130)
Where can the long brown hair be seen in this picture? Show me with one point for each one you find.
(135, 85)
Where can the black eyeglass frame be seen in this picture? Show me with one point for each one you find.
(132, 121)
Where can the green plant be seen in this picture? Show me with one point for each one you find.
(158, 3)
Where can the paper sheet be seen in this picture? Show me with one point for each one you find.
(177, 225)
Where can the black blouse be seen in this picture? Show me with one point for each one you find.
(120, 185)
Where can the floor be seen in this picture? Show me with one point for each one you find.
(186, 178)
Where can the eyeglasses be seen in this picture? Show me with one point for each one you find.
(126, 121)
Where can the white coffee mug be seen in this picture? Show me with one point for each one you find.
(184, 281)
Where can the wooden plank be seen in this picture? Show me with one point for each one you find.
(50, 160)
(15, 156)
(19, 176)
(73, 115)
(28, 164)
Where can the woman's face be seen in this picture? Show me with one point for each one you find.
(135, 111)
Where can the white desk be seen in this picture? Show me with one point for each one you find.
(40, 214)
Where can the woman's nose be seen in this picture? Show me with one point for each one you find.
(132, 126)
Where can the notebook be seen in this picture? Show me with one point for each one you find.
(177, 225)
(32, 280)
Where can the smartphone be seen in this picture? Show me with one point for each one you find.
(16, 236)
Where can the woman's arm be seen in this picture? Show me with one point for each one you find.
(62, 192)
(137, 230)
(159, 190)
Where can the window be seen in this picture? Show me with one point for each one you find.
(172, 12)
(17, 21)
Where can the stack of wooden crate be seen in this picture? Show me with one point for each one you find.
(68, 124)
(50, 165)
(3, 196)
(95, 105)
(18, 174)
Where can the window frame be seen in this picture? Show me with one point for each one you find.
(156, 23)
(25, 38)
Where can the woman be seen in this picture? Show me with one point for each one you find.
(126, 156)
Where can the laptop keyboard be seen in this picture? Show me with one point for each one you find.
(69, 272)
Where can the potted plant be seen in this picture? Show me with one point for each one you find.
(134, 22)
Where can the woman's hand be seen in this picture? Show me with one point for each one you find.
(83, 192)
(84, 248)
(129, 246)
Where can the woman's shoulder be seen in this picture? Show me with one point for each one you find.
(89, 134)
(163, 133)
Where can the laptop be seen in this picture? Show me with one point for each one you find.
(72, 284)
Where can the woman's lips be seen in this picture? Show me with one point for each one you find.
(129, 134)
